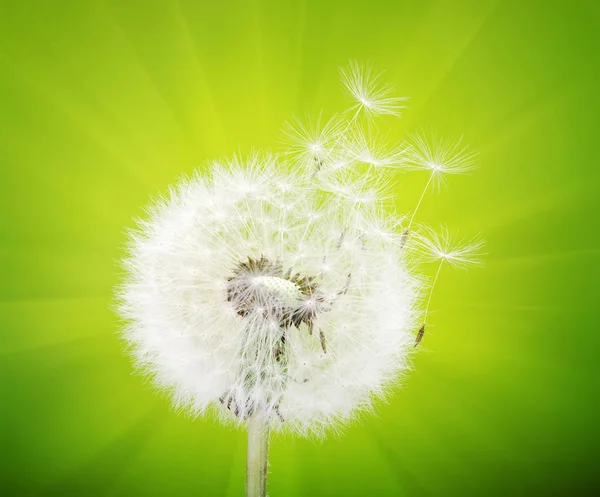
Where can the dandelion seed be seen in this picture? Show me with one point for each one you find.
(439, 156)
(311, 143)
(443, 248)
(372, 97)
(274, 290)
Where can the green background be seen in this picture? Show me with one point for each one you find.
(103, 103)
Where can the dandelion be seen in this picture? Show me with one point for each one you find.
(276, 291)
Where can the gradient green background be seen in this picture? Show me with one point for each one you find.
(103, 103)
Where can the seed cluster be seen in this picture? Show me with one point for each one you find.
(261, 286)
(230, 277)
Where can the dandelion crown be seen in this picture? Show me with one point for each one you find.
(277, 289)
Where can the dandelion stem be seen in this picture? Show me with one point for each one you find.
(257, 463)
(412, 217)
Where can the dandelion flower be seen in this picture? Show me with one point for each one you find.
(276, 291)
(240, 297)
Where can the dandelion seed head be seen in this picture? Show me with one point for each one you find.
(280, 285)
(188, 271)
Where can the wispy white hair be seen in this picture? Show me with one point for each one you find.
(281, 286)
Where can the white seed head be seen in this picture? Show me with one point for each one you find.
(209, 299)
(279, 286)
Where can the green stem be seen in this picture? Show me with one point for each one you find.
(257, 463)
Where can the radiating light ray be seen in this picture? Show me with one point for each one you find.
(208, 99)
(437, 77)
(53, 325)
(115, 110)
(410, 482)
(534, 204)
(525, 119)
(50, 348)
(514, 307)
(285, 474)
(103, 470)
(468, 416)
(427, 422)
(56, 97)
(145, 72)
(298, 53)
(44, 299)
(260, 66)
(236, 470)
(542, 258)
